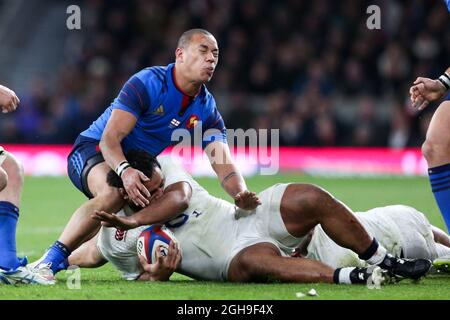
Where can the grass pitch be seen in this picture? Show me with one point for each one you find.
(48, 203)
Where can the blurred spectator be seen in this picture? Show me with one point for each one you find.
(399, 128)
(369, 130)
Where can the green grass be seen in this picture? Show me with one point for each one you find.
(48, 203)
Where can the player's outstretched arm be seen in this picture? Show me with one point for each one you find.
(8, 100)
(426, 90)
(172, 203)
(230, 177)
(118, 127)
(164, 267)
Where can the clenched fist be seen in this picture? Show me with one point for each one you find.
(8, 100)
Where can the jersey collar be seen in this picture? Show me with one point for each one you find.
(174, 80)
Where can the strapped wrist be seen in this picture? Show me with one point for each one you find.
(445, 80)
(121, 167)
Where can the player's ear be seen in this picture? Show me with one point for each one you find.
(179, 54)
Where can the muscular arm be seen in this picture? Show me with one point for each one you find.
(229, 176)
(118, 127)
(172, 203)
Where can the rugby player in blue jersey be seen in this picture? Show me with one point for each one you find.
(436, 148)
(12, 269)
(152, 104)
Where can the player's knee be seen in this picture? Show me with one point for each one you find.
(3, 179)
(252, 264)
(312, 197)
(15, 171)
(434, 148)
(109, 198)
(247, 268)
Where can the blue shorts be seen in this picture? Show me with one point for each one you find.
(84, 156)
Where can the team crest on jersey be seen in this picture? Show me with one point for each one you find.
(192, 122)
(120, 234)
(159, 111)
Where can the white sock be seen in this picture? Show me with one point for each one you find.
(378, 256)
(442, 250)
(344, 275)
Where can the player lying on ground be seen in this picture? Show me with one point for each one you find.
(402, 230)
(221, 243)
(12, 269)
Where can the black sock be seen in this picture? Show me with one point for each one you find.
(375, 254)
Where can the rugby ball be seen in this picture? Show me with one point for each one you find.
(153, 237)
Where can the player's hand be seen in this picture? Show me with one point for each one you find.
(111, 220)
(163, 268)
(8, 100)
(424, 91)
(133, 180)
(246, 200)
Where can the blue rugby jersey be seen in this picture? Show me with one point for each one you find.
(160, 107)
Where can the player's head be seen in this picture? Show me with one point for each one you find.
(148, 165)
(197, 55)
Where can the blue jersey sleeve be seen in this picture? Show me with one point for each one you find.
(214, 128)
(448, 4)
(134, 97)
(447, 97)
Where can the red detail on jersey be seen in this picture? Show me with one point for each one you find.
(187, 99)
(185, 102)
(192, 122)
(120, 234)
(97, 148)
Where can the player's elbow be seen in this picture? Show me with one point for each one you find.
(106, 141)
(181, 199)
(110, 138)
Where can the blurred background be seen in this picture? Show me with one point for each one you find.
(310, 68)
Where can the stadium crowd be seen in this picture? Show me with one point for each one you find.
(323, 80)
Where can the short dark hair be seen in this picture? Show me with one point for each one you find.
(186, 37)
(138, 159)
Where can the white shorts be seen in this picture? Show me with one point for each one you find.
(265, 225)
(210, 241)
(416, 233)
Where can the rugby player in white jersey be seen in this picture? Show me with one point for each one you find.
(221, 243)
(402, 230)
